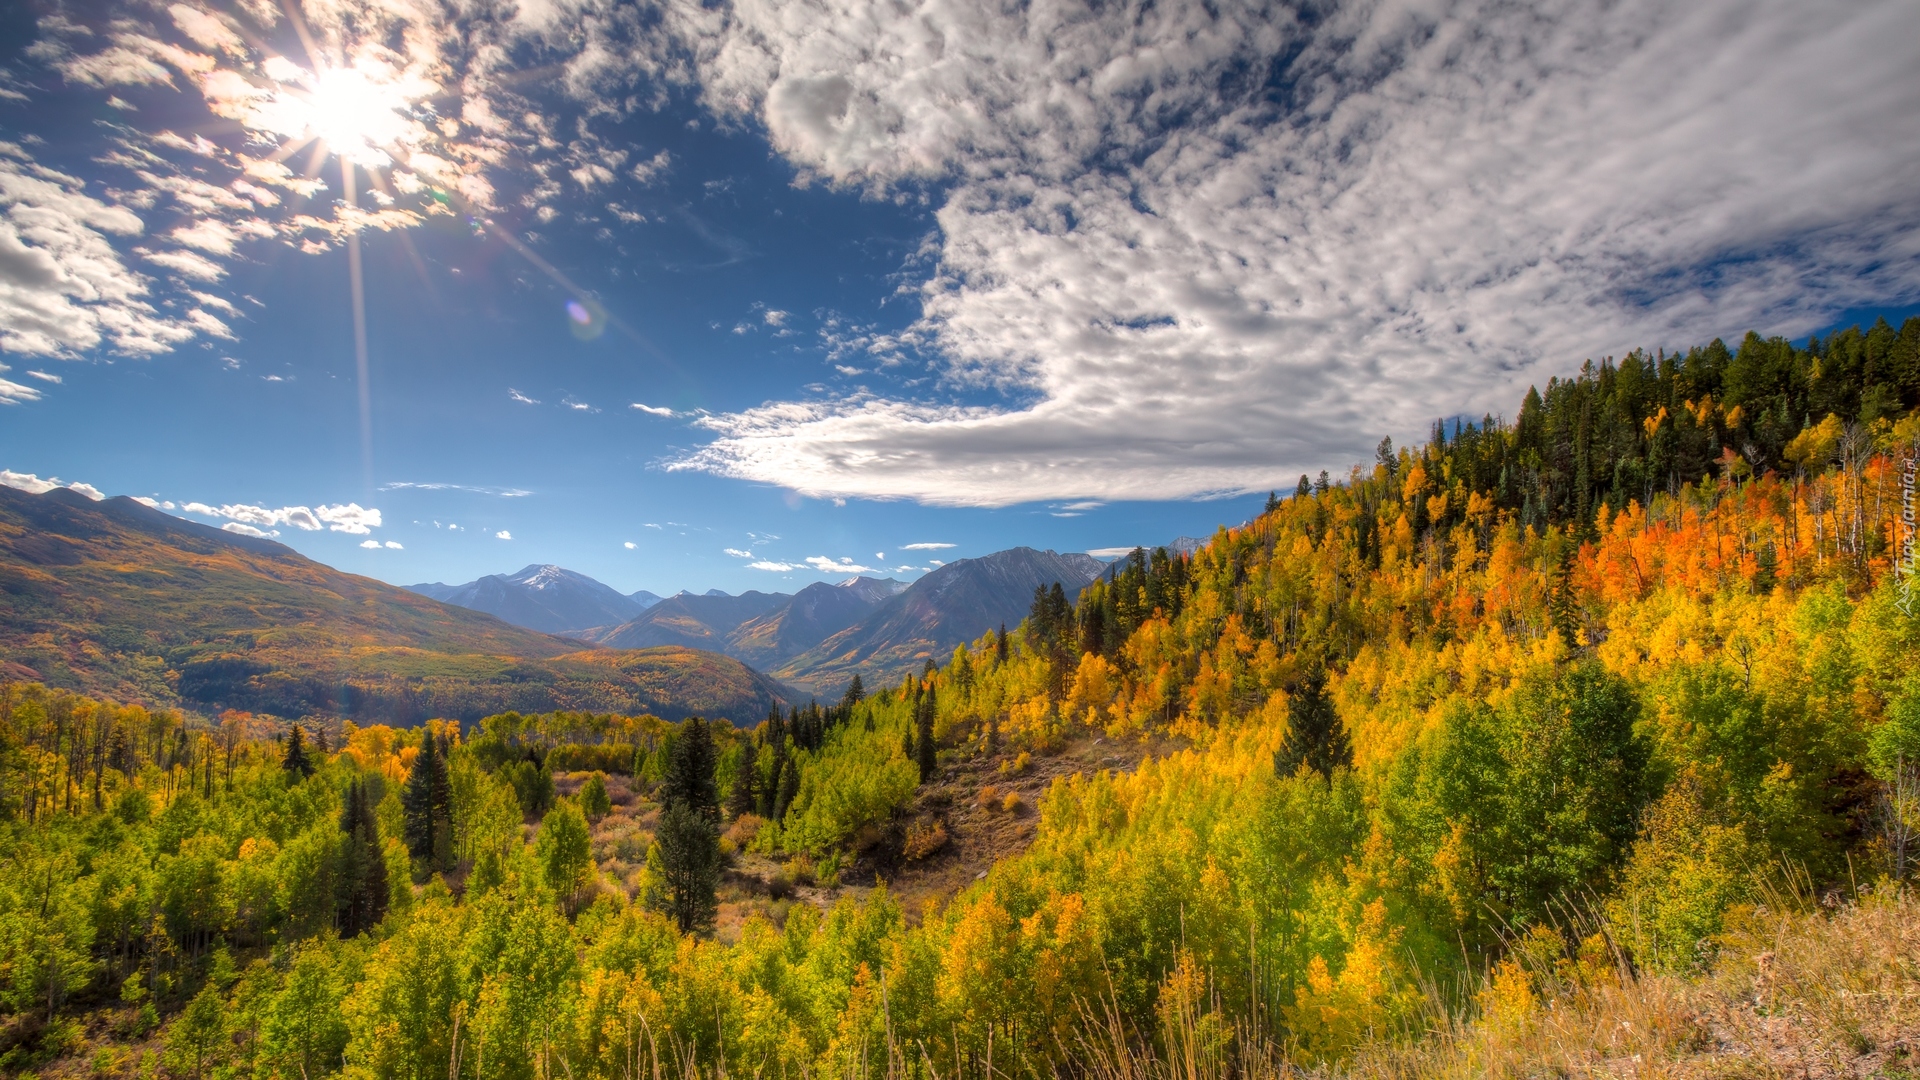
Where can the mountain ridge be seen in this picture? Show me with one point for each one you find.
(116, 598)
(947, 607)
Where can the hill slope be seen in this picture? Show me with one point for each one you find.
(815, 613)
(950, 606)
(545, 598)
(699, 622)
(118, 599)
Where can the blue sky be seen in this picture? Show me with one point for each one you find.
(884, 276)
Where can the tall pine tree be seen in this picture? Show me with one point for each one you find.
(689, 780)
(1316, 739)
(744, 796)
(363, 872)
(427, 804)
(295, 761)
(923, 746)
(688, 838)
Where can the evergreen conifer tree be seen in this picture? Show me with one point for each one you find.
(856, 693)
(789, 787)
(295, 761)
(363, 876)
(1316, 739)
(744, 798)
(923, 736)
(1305, 489)
(689, 780)
(427, 803)
(689, 867)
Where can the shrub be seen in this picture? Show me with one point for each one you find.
(923, 839)
(1011, 804)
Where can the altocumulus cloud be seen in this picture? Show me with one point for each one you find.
(1197, 248)
(1194, 280)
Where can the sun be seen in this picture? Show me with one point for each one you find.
(364, 112)
(357, 117)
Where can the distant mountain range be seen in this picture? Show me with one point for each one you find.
(954, 604)
(815, 639)
(117, 599)
(545, 598)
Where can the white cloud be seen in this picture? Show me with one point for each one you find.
(838, 566)
(32, 484)
(925, 547)
(394, 545)
(1194, 284)
(370, 544)
(1086, 505)
(12, 393)
(188, 264)
(653, 410)
(937, 562)
(630, 545)
(64, 289)
(503, 535)
(775, 317)
(248, 530)
(521, 398)
(505, 493)
(348, 518)
(27, 482)
(43, 376)
(1111, 552)
(881, 555)
(207, 235)
(151, 504)
(768, 564)
(738, 554)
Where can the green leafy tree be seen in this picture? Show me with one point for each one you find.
(564, 849)
(1316, 739)
(595, 803)
(197, 1040)
(689, 867)
(302, 1031)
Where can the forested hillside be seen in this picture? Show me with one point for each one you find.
(116, 599)
(1473, 747)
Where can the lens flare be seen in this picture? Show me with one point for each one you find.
(587, 320)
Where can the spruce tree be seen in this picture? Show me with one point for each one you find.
(856, 693)
(689, 780)
(295, 761)
(1316, 739)
(789, 787)
(689, 867)
(688, 838)
(427, 802)
(1000, 645)
(1305, 489)
(744, 797)
(363, 876)
(923, 736)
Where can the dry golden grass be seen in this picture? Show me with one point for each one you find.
(1795, 993)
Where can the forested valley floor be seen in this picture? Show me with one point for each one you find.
(1585, 744)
